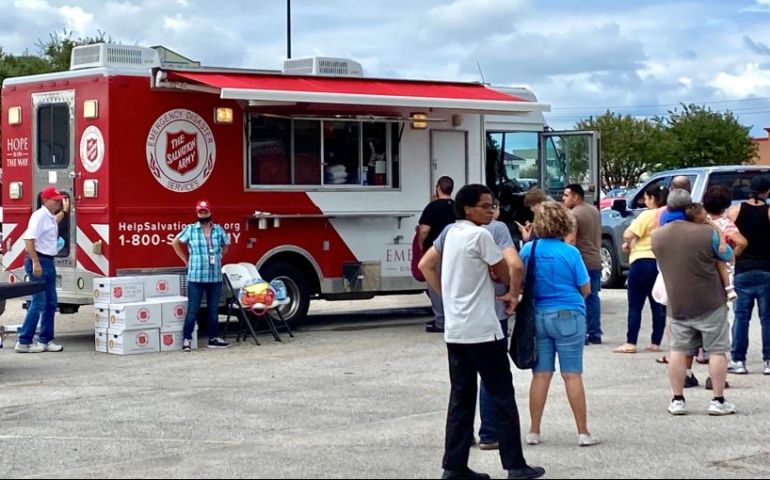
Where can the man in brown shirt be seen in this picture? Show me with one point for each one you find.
(588, 240)
(687, 254)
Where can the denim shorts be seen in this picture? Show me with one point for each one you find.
(560, 332)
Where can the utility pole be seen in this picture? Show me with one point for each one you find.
(288, 28)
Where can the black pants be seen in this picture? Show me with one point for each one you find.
(490, 360)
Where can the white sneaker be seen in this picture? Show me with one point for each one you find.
(766, 370)
(533, 438)
(28, 348)
(51, 347)
(677, 407)
(587, 440)
(738, 368)
(719, 409)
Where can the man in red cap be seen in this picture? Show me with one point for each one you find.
(41, 243)
(206, 245)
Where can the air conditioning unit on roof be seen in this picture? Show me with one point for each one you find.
(326, 66)
(111, 55)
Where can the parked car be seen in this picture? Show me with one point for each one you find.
(607, 198)
(615, 220)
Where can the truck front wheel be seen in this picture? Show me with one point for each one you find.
(611, 276)
(297, 291)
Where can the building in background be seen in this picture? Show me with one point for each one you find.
(763, 149)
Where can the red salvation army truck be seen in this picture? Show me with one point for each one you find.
(317, 172)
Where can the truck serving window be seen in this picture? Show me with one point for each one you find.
(53, 136)
(341, 153)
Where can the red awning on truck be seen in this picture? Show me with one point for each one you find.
(256, 88)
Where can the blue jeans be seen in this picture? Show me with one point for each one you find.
(641, 279)
(195, 291)
(488, 430)
(751, 286)
(594, 306)
(560, 332)
(44, 303)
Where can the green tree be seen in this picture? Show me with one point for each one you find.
(703, 138)
(629, 147)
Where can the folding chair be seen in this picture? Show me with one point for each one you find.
(235, 276)
(275, 308)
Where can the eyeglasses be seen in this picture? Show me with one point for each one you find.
(488, 206)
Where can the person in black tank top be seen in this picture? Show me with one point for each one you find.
(752, 274)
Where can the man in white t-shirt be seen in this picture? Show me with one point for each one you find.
(41, 240)
(475, 341)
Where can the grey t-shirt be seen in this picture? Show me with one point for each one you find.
(503, 240)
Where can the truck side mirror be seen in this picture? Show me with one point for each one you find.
(620, 205)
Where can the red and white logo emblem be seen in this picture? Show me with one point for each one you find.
(168, 339)
(143, 315)
(162, 286)
(181, 150)
(142, 339)
(92, 149)
(117, 292)
(179, 311)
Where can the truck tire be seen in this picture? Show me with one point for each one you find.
(611, 276)
(297, 290)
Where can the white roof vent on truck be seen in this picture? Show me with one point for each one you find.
(111, 55)
(326, 66)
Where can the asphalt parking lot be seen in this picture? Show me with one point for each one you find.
(360, 392)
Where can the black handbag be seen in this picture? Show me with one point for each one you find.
(523, 348)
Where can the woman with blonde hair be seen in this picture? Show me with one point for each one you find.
(561, 284)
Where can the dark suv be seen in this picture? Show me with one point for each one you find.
(618, 217)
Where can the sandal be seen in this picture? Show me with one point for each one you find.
(626, 348)
(652, 348)
(662, 359)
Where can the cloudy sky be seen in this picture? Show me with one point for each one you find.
(582, 57)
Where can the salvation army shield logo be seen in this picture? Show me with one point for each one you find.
(181, 150)
(142, 339)
(168, 339)
(162, 286)
(117, 292)
(143, 315)
(92, 149)
(179, 312)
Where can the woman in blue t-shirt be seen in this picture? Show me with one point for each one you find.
(561, 286)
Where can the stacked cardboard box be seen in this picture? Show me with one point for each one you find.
(140, 314)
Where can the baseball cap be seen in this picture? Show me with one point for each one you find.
(678, 199)
(50, 193)
(202, 205)
(760, 184)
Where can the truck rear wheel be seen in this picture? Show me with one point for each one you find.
(297, 290)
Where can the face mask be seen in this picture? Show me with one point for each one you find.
(204, 220)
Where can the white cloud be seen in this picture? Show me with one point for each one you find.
(176, 23)
(751, 80)
(77, 19)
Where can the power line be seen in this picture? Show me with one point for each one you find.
(662, 105)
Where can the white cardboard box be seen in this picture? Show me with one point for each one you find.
(159, 285)
(101, 317)
(132, 316)
(171, 338)
(115, 290)
(131, 342)
(100, 339)
(174, 310)
(162, 286)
